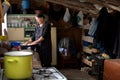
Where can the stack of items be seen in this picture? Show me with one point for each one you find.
(97, 67)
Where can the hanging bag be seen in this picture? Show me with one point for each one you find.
(66, 17)
(80, 18)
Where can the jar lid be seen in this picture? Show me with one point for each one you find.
(18, 53)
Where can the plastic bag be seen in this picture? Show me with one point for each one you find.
(67, 45)
(66, 17)
(80, 18)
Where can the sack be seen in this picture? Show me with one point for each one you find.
(66, 17)
(80, 18)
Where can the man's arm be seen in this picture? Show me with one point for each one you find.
(44, 34)
(27, 42)
(37, 41)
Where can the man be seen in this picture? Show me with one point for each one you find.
(42, 40)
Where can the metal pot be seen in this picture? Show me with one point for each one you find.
(23, 47)
(18, 64)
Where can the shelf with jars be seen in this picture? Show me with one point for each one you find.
(23, 24)
(21, 20)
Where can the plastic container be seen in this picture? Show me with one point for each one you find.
(25, 4)
(14, 44)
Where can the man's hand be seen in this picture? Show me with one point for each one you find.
(24, 44)
(29, 44)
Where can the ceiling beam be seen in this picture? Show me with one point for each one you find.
(75, 5)
(88, 5)
(105, 4)
(113, 2)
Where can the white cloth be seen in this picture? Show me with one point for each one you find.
(66, 17)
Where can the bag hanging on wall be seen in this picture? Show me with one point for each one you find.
(80, 18)
(66, 17)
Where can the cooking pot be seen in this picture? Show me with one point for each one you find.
(18, 64)
(25, 47)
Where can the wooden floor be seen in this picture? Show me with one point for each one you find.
(76, 74)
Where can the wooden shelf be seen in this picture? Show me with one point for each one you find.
(89, 50)
(85, 61)
(87, 39)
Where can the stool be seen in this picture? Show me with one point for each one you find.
(67, 59)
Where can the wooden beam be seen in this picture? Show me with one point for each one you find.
(73, 5)
(86, 6)
(1, 12)
(105, 4)
(113, 2)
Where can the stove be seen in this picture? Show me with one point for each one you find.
(50, 73)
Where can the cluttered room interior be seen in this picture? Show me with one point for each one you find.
(59, 40)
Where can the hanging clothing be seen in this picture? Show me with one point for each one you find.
(106, 31)
(93, 27)
(116, 49)
(69, 44)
